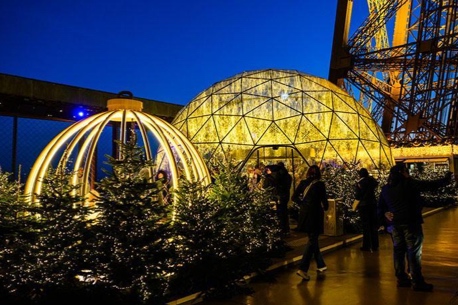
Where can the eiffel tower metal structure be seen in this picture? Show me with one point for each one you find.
(401, 64)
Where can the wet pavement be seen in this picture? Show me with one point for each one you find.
(357, 277)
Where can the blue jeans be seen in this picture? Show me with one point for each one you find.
(312, 249)
(408, 241)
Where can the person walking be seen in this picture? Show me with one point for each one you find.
(367, 209)
(311, 196)
(400, 204)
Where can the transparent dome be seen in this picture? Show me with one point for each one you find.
(286, 115)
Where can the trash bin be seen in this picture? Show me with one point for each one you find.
(333, 218)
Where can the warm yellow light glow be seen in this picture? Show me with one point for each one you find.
(436, 151)
(266, 108)
(122, 103)
(76, 146)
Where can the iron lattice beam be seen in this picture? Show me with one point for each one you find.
(410, 89)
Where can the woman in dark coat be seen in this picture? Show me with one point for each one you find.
(311, 197)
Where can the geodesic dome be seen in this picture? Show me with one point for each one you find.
(75, 147)
(282, 114)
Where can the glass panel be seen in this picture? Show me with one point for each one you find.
(268, 108)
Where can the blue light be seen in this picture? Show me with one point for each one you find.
(79, 113)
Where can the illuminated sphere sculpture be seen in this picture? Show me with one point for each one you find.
(74, 148)
(276, 112)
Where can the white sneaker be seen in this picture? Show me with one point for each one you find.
(322, 269)
(303, 275)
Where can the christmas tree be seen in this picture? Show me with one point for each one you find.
(132, 229)
(63, 225)
(47, 251)
(340, 184)
(10, 230)
(223, 232)
(9, 207)
(443, 196)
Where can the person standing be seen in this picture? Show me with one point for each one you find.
(162, 184)
(311, 196)
(269, 183)
(367, 209)
(400, 204)
(284, 181)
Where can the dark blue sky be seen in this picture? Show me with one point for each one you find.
(168, 50)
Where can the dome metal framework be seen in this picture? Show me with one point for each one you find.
(255, 110)
(75, 147)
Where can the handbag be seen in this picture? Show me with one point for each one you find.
(355, 204)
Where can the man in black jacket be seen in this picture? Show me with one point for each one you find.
(400, 205)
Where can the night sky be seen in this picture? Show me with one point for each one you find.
(167, 50)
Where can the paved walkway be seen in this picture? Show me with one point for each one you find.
(356, 277)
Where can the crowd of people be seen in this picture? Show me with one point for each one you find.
(398, 210)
